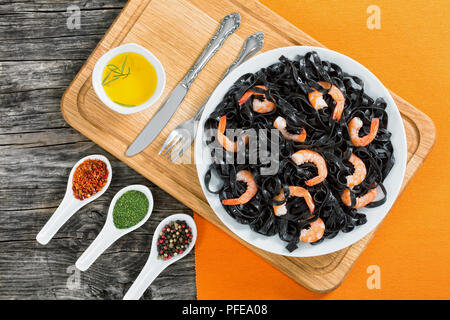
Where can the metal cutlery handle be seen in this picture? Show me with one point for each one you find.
(229, 24)
(252, 45)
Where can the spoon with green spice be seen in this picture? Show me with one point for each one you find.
(129, 209)
(155, 265)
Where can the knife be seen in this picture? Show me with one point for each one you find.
(228, 25)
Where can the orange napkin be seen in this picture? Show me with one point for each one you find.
(410, 55)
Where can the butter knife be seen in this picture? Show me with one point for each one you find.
(228, 26)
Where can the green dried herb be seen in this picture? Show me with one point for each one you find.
(130, 209)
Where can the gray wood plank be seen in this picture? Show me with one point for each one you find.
(15, 6)
(39, 56)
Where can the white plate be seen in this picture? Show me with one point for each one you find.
(374, 88)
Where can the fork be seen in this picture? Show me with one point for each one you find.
(180, 139)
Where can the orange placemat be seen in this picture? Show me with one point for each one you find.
(409, 54)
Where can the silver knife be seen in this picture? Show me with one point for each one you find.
(228, 25)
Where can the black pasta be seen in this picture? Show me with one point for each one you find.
(288, 83)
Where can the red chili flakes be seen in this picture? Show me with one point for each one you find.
(89, 178)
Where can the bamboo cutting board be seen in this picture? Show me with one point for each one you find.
(176, 31)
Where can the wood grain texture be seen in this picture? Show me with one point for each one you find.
(174, 31)
(39, 57)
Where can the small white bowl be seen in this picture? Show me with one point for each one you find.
(97, 75)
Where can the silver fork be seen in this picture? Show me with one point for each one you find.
(180, 139)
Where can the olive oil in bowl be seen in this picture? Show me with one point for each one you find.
(129, 79)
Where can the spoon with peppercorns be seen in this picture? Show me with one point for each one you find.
(173, 239)
(89, 179)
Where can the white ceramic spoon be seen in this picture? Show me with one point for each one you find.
(110, 233)
(154, 266)
(70, 205)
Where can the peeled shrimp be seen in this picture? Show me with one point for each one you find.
(317, 229)
(360, 201)
(280, 124)
(316, 99)
(355, 124)
(355, 179)
(314, 233)
(259, 106)
(359, 174)
(247, 177)
(294, 191)
(304, 156)
(226, 143)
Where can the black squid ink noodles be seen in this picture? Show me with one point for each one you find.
(288, 87)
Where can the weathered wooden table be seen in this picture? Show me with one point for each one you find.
(41, 50)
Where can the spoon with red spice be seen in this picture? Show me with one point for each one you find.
(162, 254)
(89, 179)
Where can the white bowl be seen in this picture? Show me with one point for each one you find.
(97, 75)
(374, 88)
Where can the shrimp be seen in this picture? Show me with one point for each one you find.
(294, 191)
(280, 124)
(247, 177)
(360, 172)
(360, 201)
(303, 156)
(317, 229)
(259, 106)
(355, 179)
(355, 124)
(248, 94)
(314, 233)
(316, 99)
(226, 143)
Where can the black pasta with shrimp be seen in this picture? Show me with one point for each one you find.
(333, 150)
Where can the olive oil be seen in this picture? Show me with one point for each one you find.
(129, 79)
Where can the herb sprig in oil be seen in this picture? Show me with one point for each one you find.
(116, 73)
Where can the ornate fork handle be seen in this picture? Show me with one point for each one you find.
(228, 25)
(252, 45)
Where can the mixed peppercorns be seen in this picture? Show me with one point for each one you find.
(89, 178)
(174, 239)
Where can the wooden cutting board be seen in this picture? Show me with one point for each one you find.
(176, 31)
